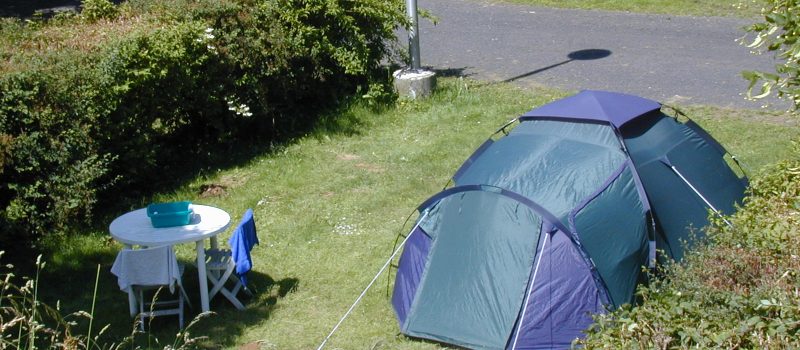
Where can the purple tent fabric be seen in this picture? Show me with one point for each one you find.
(560, 303)
(536, 285)
(604, 106)
(412, 264)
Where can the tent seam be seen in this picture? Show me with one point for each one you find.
(536, 207)
(573, 233)
(529, 290)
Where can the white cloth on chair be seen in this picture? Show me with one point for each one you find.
(147, 267)
(151, 268)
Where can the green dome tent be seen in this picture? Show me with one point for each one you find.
(554, 220)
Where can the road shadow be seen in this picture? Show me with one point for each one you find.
(453, 72)
(27, 8)
(580, 55)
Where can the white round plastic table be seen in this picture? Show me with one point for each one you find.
(135, 228)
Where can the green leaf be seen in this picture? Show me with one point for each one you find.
(752, 321)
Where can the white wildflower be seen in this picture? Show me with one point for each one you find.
(240, 108)
(206, 37)
(346, 229)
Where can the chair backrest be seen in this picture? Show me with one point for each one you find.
(242, 240)
(147, 267)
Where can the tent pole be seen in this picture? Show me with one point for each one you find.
(372, 282)
(530, 290)
(652, 241)
(674, 169)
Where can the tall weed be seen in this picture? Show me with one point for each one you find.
(28, 323)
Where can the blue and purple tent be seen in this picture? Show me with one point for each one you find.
(554, 220)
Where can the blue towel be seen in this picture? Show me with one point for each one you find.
(241, 242)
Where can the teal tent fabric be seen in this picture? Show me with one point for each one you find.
(557, 166)
(587, 132)
(680, 212)
(613, 230)
(477, 271)
(555, 220)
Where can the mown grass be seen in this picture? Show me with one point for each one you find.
(730, 8)
(328, 208)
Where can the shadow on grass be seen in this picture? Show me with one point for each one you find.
(228, 323)
(70, 283)
(334, 118)
(340, 120)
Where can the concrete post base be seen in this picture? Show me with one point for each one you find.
(414, 83)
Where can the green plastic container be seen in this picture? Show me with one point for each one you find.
(170, 214)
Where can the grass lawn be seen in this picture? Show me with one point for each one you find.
(328, 208)
(734, 8)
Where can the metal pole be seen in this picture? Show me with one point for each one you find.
(700, 195)
(530, 291)
(413, 34)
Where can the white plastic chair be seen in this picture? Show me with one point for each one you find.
(225, 265)
(138, 270)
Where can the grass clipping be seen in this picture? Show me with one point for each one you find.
(741, 290)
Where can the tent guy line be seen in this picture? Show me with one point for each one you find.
(385, 265)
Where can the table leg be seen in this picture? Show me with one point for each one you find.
(132, 304)
(214, 247)
(201, 275)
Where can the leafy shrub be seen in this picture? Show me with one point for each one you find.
(94, 10)
(91, 109)
(50, 164)
(740, 291)
(778, 33)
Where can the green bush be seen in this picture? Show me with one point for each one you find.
(739, 291)
(50, 163)
(92, 109)
(94, 10)
(778, 33)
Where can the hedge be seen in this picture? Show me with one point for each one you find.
(119, 100)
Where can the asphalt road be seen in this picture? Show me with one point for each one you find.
(671, 59)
